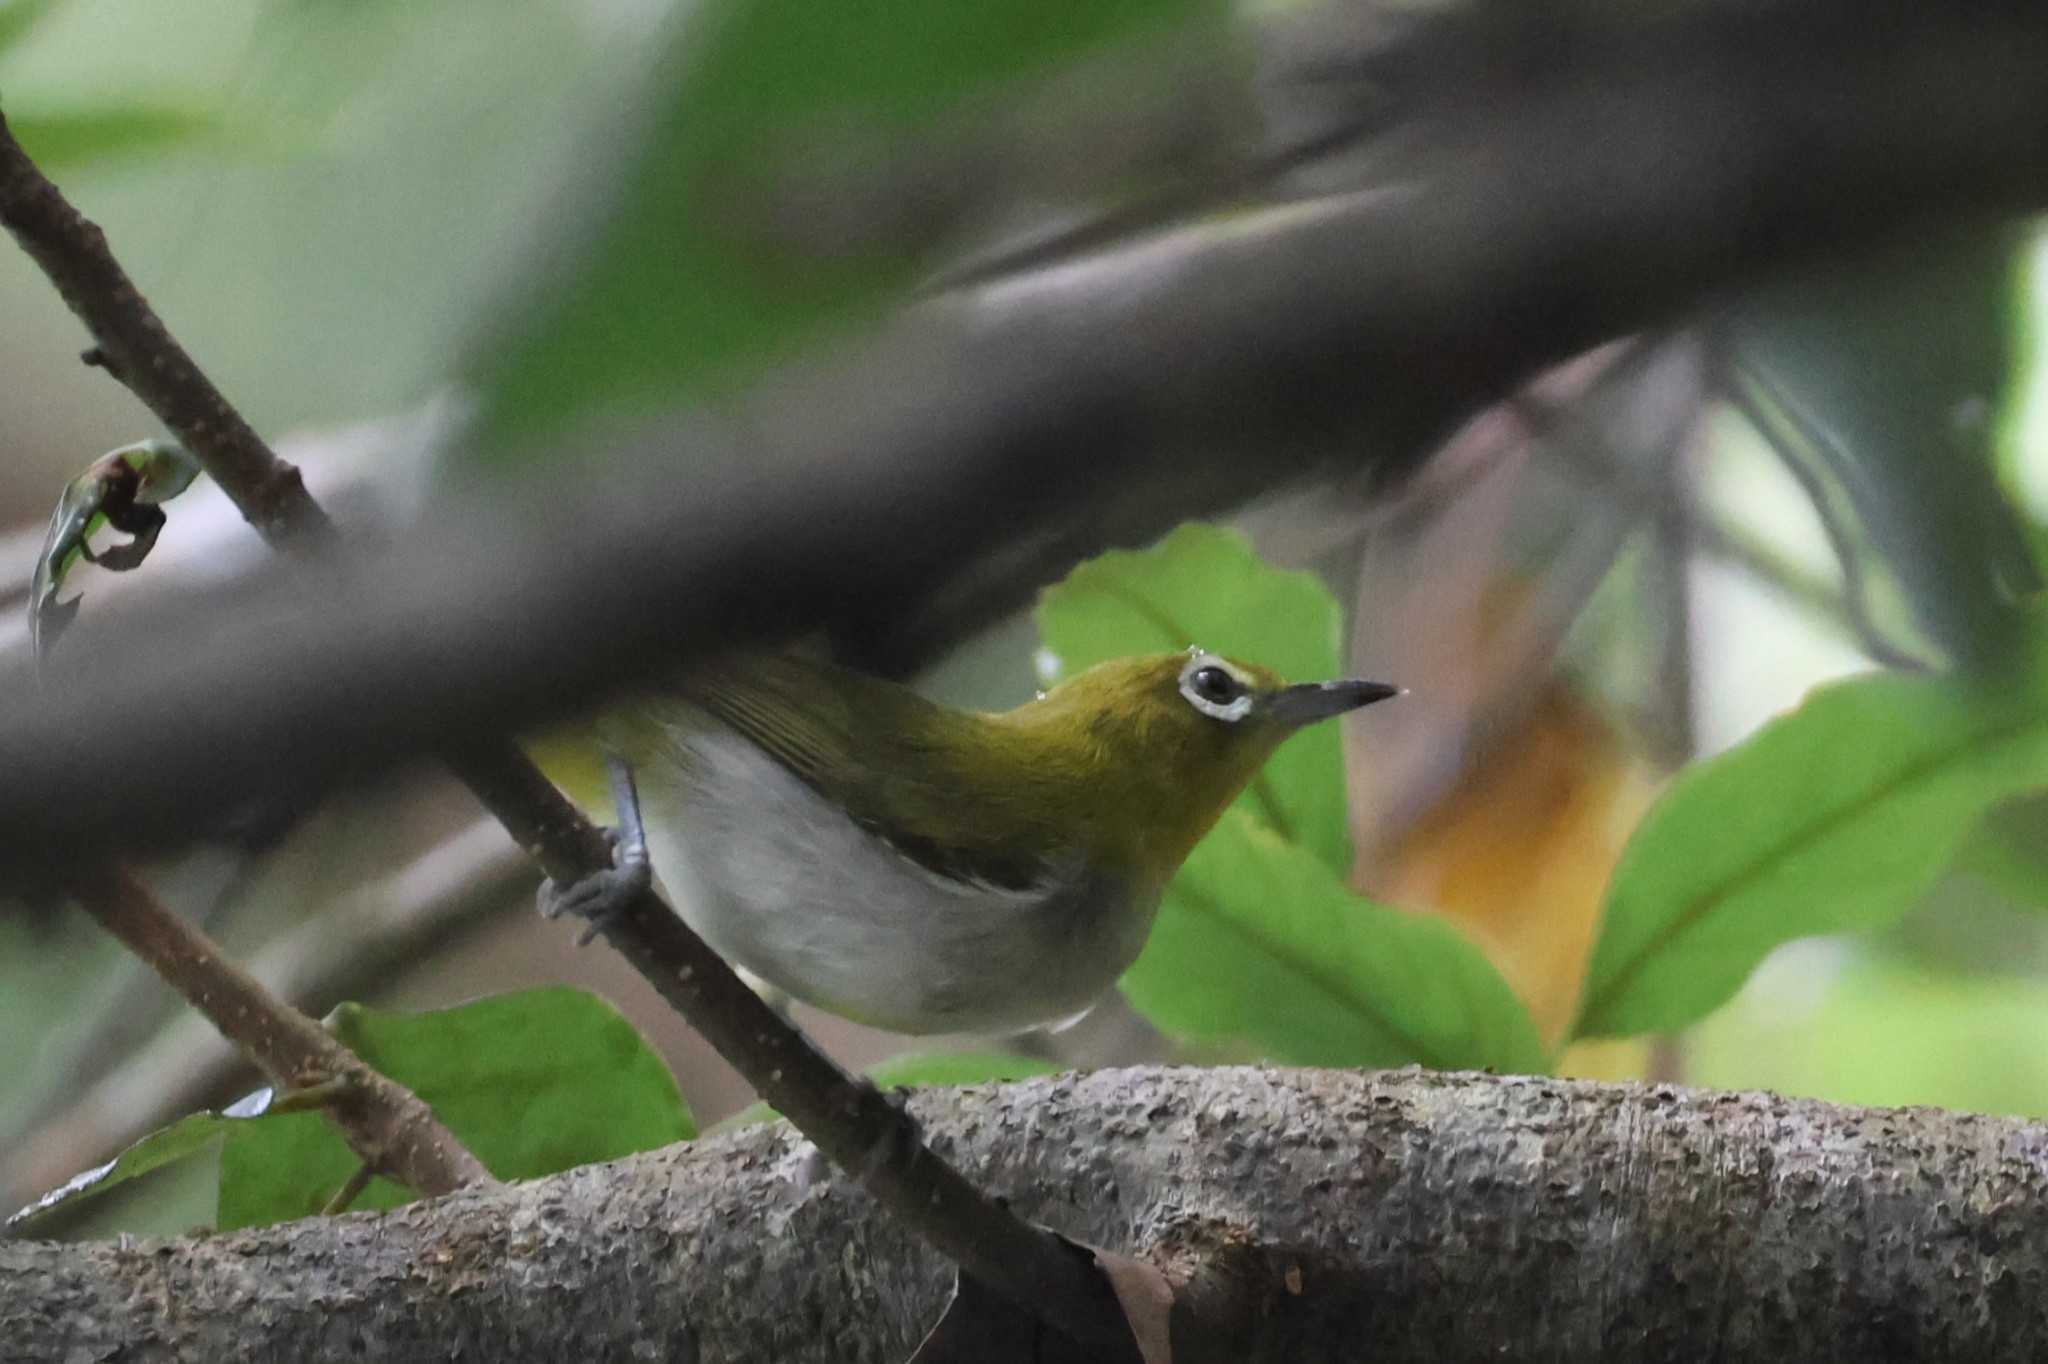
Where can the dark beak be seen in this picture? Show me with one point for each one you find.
(1313, 701)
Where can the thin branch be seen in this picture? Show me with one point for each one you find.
(350, 1190)
(132, 343)
(1796, 443)
(1733, 544)
(848, 1118)
(350, 945)
(121, 1014)
(383, 1122)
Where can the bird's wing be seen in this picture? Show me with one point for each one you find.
(843, 734)
(804, 725)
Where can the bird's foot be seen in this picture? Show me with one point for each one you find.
(902, 1139)
(600, 896)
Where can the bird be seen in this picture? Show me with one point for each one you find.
(925, 869)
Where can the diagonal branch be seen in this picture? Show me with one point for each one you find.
(348, 947)
(848, 1118)
(931, 476)
(384, 1123)
(133, 345)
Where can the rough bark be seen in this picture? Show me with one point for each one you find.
(1391, 1216)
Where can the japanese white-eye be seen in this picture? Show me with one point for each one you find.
(925, 869)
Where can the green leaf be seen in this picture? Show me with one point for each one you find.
(188, 1136)
(65, 140)
(1835, 817)
(709, 259)
(113, 490)
(531, 1083)
(1260, 942)
(1875, 1030)
(919, 1070)
(17, 17)
(1203, 585)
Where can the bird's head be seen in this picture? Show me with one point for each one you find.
(1187, 732)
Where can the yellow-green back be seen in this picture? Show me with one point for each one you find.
(1113, 768)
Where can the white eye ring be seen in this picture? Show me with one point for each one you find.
(1229, 710)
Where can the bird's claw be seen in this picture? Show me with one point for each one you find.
(600, 896)
(903, 1139)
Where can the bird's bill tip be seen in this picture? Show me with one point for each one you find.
(1312, 701)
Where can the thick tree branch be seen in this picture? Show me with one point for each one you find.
(384, 1123)
(1398, 1216)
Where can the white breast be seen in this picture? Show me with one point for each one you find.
(783, 882)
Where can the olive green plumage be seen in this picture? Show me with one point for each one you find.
(1112, 760)
(1031, 845)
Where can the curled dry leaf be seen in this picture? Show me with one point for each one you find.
(124, 489)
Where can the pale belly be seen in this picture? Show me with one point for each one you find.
(782, 882)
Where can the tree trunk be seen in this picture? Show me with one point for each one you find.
(1392, 1216)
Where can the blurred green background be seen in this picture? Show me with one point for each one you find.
(370, 219)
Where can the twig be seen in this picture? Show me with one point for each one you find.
(131, 343)
(1732, 544)
(845, 1117)
(124, 1013)
(1795, 441)
(353, 943)
(1673, 722)
(383, 1122)
(350, 1190)
(848, 1119)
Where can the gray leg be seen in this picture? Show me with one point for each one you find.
(600, 896)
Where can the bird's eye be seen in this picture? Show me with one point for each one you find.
(1215, 686)
(1215, 689)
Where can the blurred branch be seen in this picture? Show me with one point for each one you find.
(847, 1117)
(932, 477)
(383, 1122)
(1798, 442)
(1732, 544)
(1670, 589)
(353, 944)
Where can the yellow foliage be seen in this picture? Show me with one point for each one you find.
(1518, 855)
